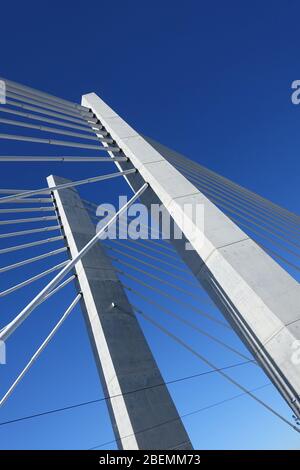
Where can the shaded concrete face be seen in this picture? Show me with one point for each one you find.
(124, 360)
(259, 298)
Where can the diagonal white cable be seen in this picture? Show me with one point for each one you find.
(29, 245)
(48, 190)
(16, 158)
(214, 367)
(32, 260)
(27, 232)
(59, 287)
(173, 298)
(31, 219)
(188, 323)
(32, 279)
(18, 320)
(40, 349)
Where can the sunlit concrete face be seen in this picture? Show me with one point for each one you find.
(124, 360)
(259, 298)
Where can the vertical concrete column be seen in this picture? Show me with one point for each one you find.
(145, 419)
(259, 298)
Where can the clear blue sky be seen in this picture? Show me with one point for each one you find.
(211, 80)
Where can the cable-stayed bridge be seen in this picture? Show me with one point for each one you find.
(234, 273)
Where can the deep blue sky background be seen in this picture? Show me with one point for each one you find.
(211, 80)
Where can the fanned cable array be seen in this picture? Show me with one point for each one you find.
(33, 245)
(30, 236)
(160, 286)
(274, 228)
(164, 294)
(46, 119)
